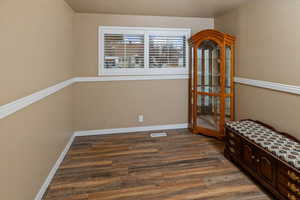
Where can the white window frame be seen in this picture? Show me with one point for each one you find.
(141, 30)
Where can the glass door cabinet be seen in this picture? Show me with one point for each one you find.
(211, 86)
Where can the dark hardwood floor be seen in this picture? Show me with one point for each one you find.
(134, 166)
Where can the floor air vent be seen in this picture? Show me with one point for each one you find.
(154, 135)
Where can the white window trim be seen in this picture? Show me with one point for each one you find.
(146, 70)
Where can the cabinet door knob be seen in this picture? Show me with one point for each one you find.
(292, 197)
(294, 188)
(253, 157)
(258, 160)
(293, 176)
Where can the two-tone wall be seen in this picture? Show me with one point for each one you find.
(101, 105)
(268, 45)
(44, 43)
(36, 51)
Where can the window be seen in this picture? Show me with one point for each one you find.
(143, 51)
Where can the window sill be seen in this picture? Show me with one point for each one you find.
(104, 78)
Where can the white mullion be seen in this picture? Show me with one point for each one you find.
(187, 55)
(125, 64)
(101, 59)
(146, 53)
(167, 44)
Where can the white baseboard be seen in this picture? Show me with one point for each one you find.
(130, 129)
(50, 176)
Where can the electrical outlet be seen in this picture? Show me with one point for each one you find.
(141, 118)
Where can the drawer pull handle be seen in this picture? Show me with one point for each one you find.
(291, 197)
(293, 176)
(231, 135)
(232, 150)
(232, 142)
(293, 188)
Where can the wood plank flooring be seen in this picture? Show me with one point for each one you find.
(134, 166)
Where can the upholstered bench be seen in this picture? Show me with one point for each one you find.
(271, 157)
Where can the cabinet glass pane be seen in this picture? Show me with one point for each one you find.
(228, 69)
(208, 112)
(191, 53)
(191, 110)
(208, 67)
(228, 109)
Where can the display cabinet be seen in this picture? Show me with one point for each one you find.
(211, 86)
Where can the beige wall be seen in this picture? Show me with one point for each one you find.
(36, 46)
(86, 33)
(117, 104)
(35, 52)
(268, 44)
(279, 109)
(31, 142)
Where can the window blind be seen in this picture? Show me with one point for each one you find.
(167, 51)
(124, 50)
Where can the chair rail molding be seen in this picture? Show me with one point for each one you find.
(293, 89)
(12, 107)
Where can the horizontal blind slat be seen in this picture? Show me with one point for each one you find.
(124, 50)
(167, 51)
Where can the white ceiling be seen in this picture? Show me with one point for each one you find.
(180, 8)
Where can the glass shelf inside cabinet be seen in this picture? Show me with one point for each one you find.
(211, 60)
(228, 90)
(209, 89)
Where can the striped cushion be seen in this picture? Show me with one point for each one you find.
(272, 141)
